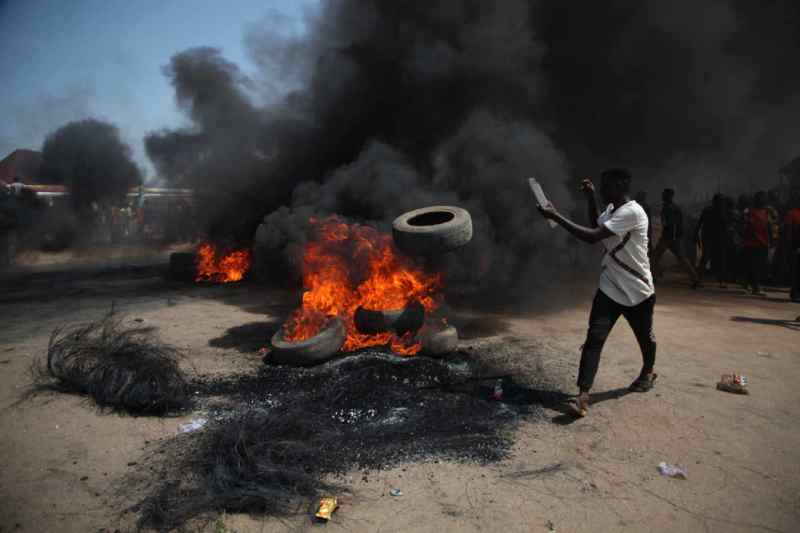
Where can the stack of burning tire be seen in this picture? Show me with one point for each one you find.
(424, 232)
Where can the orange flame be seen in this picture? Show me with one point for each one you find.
(348, 266)
(221, 268)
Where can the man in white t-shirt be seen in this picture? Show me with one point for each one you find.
(626, 284)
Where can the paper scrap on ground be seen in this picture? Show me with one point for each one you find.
(540, 197)
(669, 470)
(194, 425)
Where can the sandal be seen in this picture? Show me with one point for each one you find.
(643, 383)
(583, 405)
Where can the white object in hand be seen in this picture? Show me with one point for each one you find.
(540, 197)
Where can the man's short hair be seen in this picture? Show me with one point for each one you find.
(669, 192)
(618, 175)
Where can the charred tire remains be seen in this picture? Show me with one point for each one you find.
(182, 266)
(318, 349)
(121, 368)
(432, 230)
(401, 321)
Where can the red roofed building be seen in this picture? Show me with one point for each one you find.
(20, 163)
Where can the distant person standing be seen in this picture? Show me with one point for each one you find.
(641, 199)
(671, 234)
(733, 240)
(791, 225)
(743, 204)
(17, 187)
(710, 233)
(115, 228)
(773, 207)
(756, 242)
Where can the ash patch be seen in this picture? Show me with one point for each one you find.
(276, 438)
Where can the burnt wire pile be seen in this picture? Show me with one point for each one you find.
(277, 438)
(121, 367)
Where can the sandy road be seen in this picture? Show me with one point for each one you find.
(61, 460)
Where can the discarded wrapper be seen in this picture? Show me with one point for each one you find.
(735, 383)
(326, 508)
(497, 392)
(673, 471)
(395, 492)
(193, 425)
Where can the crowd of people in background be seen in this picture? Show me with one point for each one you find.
(136, 221)
(50, 222)
(141, 221)
(750, 241)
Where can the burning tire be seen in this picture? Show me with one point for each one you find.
(432, 230)
(318, 349)
(400, 321)
(182, 266)
(437, 342)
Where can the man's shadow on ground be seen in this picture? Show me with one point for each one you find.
(789, 324)
(561, 402)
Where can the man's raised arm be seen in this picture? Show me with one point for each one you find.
(588, 190)
(587, 235)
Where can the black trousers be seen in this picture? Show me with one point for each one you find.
(755, 261)
(605, 313)
(713, 249)
(794, 258)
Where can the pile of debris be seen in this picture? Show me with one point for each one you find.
(277, 440)
(364, 288)
(121, 367)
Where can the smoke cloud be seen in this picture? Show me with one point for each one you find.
(398, 105)
(694, 95)
(89, 157)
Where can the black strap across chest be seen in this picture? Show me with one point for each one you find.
(617, 260)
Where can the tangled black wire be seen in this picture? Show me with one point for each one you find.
(274, 456)
(122, 368)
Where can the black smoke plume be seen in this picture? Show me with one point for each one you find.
(90, 158)
(696, 95)
(399, 105)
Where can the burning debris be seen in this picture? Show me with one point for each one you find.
(276, 439)
(317, 349)
(219, 266)
(121, 368)
(348, 267)
(210, 264)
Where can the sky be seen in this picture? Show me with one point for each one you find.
(63, 61)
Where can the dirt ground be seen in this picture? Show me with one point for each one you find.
(62, 460)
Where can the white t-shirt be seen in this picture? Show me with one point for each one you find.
(625, 276)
